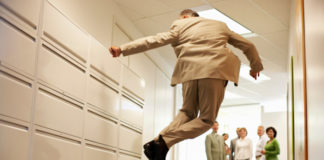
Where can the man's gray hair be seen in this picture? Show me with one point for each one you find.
(261, 127)
(189, 12)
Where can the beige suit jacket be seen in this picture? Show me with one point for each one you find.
(200, 47)
(215, 147)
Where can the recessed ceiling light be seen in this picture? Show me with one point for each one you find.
(245, 73)
(212, 13)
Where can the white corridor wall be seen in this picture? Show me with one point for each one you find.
(62, 96)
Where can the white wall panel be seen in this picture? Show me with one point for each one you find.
(130, 140)
(57, 71)
(101, 129)
(14, 142)
(131, 112)
(133, 83)
(102, 96)
(127, 157)
(60, 29)
(144, 67)
(27, 9)
(15, 97)
(46, 146)
(16, 48)
(75, 106)
(119, 38)
(49, 107)
(314, 38)
(164, 102)
(102, 61)
(93, 153)
(96, 18)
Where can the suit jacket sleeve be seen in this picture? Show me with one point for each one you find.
(248, 49)
(208, 147)
(150, 42)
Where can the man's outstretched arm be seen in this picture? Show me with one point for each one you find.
(250, 52)
(146, 43)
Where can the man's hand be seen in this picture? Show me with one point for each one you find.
(255, 75)
(115, 51)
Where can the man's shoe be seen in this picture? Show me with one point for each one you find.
(160, 149)
(148, 149)
(156, 150)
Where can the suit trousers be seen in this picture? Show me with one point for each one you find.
(203, 96)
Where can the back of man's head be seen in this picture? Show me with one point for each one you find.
(189, 12)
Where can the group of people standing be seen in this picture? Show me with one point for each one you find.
(241, 147)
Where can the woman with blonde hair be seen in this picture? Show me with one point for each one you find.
(244, 146)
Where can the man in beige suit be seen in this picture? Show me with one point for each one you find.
(215, 145)
(204, 65)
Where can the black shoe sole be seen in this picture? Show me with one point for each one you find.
(147, 152)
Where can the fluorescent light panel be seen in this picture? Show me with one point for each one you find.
(143, 83)
(245, 73)
(212, 13)
(230, 95)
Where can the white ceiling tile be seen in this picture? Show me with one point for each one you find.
(165, 20)
(149, 27)
(146, 8)
(280, 9)
(156, 24)
(271, 68)
(183, 4)
(250, 16)
(131, 13)
(212, 1)
(270, 51)
(279, 38)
